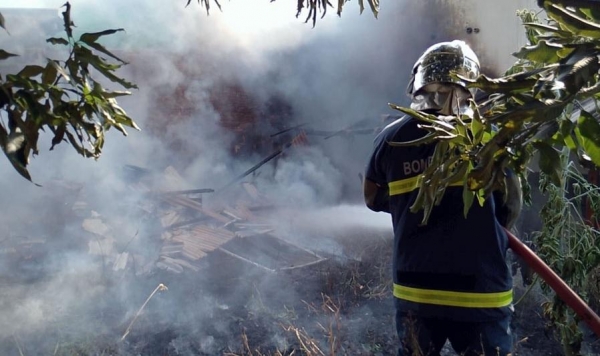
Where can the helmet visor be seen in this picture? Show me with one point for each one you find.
(438, 68)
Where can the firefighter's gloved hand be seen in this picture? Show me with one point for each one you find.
(510, 202)
(377, 196)
(508, 208)
(518, 265)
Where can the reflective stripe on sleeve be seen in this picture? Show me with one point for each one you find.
(409, 184)
(454, 299)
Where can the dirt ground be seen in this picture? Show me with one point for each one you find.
(341, 306)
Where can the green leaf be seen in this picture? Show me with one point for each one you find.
(59, 135)
(115, 93)
(480, 197)
(500, 85)
(68, 23)
(468, 195)
(566, 132)
(126, 120)
(429, 118)
(580, 67)
(549, 161)
(573, 23)
(49, 74)
(14, 147)
(5, 96)
(591, 12)
(543, 52)
(85, 55)
(374, 4)
(548, 29)
(91, 37)
(588, 134)
(62, 72)
(78, 147)
(468, 198)
(31, 71)
(480, 176)
(57, 40)
(477, 128)
(5, 55)
(100, 48)
(2, 22)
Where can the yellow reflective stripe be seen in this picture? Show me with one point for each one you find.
(409, 184)
(454, 299)
(404, 185)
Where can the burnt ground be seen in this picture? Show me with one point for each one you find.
(341, 306)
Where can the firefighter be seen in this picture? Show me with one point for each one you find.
(451, 279)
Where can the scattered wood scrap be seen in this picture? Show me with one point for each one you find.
(121, 261)
(191, 230)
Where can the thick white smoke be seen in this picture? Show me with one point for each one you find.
(342, 72)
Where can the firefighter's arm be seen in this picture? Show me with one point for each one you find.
(377, 197)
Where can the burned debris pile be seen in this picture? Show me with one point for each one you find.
(175, 229)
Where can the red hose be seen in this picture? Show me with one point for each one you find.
(559, 286)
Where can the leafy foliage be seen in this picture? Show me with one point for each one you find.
(65, 97)
(206, 4)
(538, 107)
(570, 244)
(312, 6)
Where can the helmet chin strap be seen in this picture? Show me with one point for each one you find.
(446, 100)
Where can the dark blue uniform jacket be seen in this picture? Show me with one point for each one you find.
(452, 267)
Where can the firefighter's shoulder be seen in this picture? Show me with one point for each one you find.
(392, 131)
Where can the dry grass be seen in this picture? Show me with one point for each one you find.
(328, 321)
(333, 327)
(248, 351)
(161, 287)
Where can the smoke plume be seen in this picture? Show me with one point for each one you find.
(213, 92)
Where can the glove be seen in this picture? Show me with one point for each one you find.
(510, 203)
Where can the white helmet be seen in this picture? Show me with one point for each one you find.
(438, 62)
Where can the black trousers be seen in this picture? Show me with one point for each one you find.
(427, 336)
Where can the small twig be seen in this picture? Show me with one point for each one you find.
(131, 240)
(161, 287)
(302, 265)
(310, 307)
(528, 290)
(245, 259)
(295, 245)
(18, 346)
(307, 344)
(523, 340)
(56, 348)
(246, 344)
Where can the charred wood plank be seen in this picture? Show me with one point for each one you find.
(179, 200)
(184, 192)
(186, 223)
